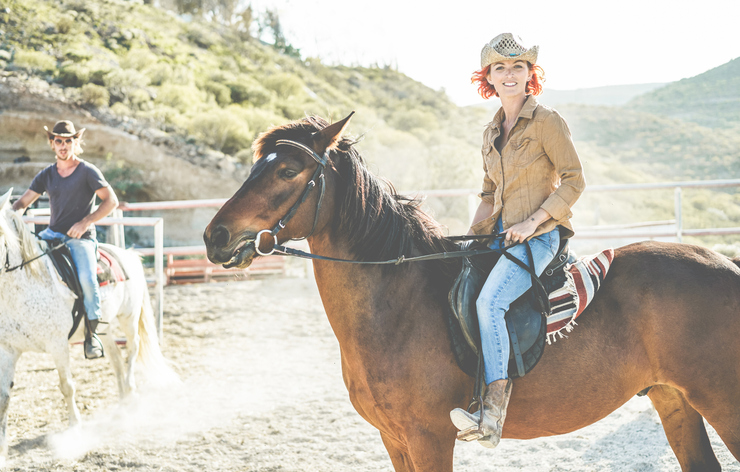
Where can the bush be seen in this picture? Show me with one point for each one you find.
(248, 92)
(138, 59)
(223, 130)
(159, 73)
(180, 97)
(220, 92)
(95, 95)
(407, 120)
(74, 75)
(121, 83)
(34, 61)
(285, 85)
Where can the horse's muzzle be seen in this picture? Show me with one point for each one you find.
(221, 249)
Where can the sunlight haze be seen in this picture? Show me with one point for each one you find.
(582, 43)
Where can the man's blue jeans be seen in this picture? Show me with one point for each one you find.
(507, 282)
(85, 257)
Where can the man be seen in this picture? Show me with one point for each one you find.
(72, 185)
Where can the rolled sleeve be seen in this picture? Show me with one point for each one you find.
(559, 147)
(489, 187)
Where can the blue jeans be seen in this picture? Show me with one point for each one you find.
(507, 282)
(85, 257)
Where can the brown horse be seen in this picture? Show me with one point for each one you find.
(666, 316)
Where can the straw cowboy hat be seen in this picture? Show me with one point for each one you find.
(64, 129)
(506, 47)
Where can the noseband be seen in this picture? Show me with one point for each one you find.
(318, 175)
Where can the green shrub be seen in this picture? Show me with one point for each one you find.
(121, 83)
(180, 97)
(140, 99)
(248, 92)
(74, 75)
(77, 52)
(220, 92)
(95, 95)
(285, 85)
(223, 130)
(407, 120)
(159, 73)
(139, 59)
(34, 61)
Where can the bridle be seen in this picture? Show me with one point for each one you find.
(7, 268)
(318, 176)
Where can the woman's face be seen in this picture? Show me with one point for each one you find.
(509, 78)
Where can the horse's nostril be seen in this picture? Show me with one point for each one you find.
(220, 236)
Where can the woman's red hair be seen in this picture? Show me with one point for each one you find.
(486, 90)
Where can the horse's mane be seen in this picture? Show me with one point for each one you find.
(378, 223)
(21, 240)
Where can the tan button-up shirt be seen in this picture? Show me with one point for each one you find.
(537, 168)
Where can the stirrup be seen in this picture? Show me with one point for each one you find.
(473, 433)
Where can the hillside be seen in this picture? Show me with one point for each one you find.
(172, 107)
(711, 99)
(204, 91)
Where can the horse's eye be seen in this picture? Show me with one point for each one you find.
(287, 173)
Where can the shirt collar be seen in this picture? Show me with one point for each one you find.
(527, 112)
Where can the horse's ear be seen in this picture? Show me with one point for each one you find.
(328, 137)
(5, 198)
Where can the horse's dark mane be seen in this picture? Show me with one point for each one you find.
(378, 223)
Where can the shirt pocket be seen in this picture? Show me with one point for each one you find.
(526, 151)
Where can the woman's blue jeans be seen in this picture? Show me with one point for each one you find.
(507, 282)
(85, 257)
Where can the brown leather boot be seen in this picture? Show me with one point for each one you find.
(488, 431)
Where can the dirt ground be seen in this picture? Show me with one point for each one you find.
(262, 391)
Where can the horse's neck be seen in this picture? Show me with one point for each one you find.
(364, 303)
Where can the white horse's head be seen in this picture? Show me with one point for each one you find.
(17, 243)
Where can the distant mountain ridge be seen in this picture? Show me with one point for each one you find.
(711, 99)
(613, 95)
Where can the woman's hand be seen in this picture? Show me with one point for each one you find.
(521, 231)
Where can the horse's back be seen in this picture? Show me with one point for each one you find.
(682, 303)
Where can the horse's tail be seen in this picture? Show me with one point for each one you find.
(153, 363)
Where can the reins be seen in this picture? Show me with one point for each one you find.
(318, 175)
(7, 267)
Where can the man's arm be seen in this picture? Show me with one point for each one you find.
(108, 203)
(26, 200)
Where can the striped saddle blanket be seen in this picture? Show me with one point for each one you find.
(582, 280)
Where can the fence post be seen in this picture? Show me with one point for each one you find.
(679, 223)
(158, 273)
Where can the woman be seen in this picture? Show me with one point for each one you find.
(532, 179)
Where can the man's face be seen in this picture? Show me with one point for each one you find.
(63, 147)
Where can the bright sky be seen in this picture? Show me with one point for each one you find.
(583, 43)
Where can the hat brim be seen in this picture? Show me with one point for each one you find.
(52, 134)
(491, 56)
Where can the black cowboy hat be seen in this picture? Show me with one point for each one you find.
(64, 129)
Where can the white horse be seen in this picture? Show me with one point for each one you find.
(35, 315)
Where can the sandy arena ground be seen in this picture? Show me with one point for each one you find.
(262, 391)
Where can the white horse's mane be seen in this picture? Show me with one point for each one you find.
(22, 241)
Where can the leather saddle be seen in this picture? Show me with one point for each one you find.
(109, 270)
(526, 320)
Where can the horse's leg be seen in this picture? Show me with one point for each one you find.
(424, 452)
(685, 430)
(130, 326)
(8, 359)
(60, 354)
(113, 353)
(399, 456)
